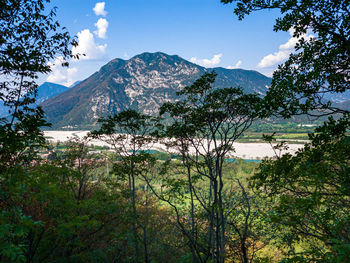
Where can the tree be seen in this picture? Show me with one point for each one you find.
(128, 133)
(310, 189)
(312, 195)
(320, 65)
(202, 129)
(74, 219)
(29, 39)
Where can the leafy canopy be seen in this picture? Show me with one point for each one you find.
(320, 64)
(29, 39)
(310, 190)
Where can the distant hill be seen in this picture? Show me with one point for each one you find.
(345, 105)
(338, 97)
(45, 91)
(143, 82)
(48, 90)
(75, 83)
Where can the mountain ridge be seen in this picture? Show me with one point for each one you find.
(48, 90)
(143, 82)
(44, 92)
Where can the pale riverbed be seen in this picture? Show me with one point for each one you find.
(242, 150)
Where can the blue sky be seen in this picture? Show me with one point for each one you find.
(205, 32)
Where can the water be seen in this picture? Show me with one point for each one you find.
(231, 160)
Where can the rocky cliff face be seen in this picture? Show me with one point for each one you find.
(144, 83)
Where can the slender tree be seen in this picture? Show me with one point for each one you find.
(204, 126)
(128, 133)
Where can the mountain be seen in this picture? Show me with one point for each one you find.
(74, 84)
(143, 82)
(3, 110)
(45, 91)
(48, 90)
(344, 105)
(337, 97)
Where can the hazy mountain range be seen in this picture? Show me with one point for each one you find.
(45, 91)
(143, 83)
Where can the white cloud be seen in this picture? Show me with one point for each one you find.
(290, 44)
(61, 75)
(239, 62)
(87, 46)
(72, 71)
(272, 60)
(207, 62)
(102, 25)
(99, 9)
(56, 74)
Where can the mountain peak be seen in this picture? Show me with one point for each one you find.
(154, 55)
(144, 82)
(51, 84)
(158, 58)
(48, 90)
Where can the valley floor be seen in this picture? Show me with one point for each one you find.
(248, 151)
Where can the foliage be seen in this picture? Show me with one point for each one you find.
(29, 39)
(128, 134)
(69, 210)
(311, 190)
(203, 127)
(320, 65)
(72, 209)
(64, 226)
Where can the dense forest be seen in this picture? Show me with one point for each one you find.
(129, 204)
